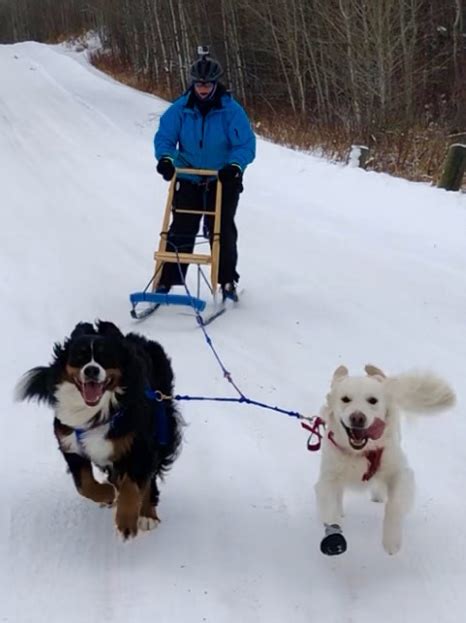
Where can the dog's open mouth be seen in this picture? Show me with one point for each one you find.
(358, 437)
(92, 392)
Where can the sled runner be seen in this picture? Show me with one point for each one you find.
(152, 297)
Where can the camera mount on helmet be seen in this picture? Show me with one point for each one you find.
(202, 50)
(205, 68)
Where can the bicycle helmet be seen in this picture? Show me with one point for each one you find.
(205, 69)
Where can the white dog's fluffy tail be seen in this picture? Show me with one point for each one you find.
(421, 392)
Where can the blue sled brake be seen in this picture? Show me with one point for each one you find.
(156, 299)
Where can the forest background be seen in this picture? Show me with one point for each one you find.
(319, 76)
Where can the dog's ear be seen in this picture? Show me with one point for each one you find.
(375, 372)
(41, 382)
(38, 384)
(60, 353)
(340, 373)
(82, 328)
(108, 329)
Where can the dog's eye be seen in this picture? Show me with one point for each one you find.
(372, 400)
(79, 356)
(346, 399)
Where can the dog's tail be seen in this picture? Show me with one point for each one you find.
(36, 384)
(421, 392)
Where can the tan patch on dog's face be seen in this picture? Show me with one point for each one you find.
(71, 374)
(93, 389)
(121, 446)
(113, 378)
(112, 381)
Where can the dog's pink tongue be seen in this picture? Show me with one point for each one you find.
(92, 392)
(358, 433)
(376, 429)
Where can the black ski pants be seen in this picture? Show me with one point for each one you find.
(185, 227)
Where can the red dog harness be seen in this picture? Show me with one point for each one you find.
(374, 457)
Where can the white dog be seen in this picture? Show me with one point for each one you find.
(362, 446)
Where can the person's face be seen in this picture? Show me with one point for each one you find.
(203, 89)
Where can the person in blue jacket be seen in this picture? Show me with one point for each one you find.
(205, 128)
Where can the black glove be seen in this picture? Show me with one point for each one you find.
(231, 175)
(166, 169)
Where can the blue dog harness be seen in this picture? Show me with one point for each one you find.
(161, 432)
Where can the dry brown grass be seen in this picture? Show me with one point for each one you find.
(415, 154)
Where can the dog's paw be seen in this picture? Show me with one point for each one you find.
(392, 547)
(126, 533)
(110, 498)
(126, 525)
(334, 542)
(392, 541)
(108, 504)
(148, 523)
(103, 494)
(379, 492)
(333, 545)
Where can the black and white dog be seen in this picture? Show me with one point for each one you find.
(101, 386)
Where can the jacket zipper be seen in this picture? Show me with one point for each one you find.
(201, 142)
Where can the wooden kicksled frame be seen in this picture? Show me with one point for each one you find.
(149, 295)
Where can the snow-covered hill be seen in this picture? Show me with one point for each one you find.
(339, 266)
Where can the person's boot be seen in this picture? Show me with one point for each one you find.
(229, 292)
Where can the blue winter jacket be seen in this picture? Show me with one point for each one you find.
(223, 136)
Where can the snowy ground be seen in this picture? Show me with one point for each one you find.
(339, 266)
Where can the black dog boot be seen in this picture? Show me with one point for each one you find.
(334, 543)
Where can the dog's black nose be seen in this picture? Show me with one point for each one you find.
(91, 372)
(357, 420)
